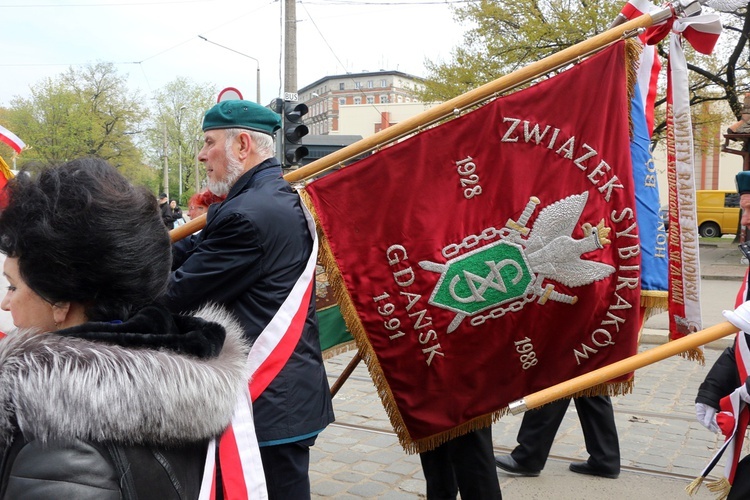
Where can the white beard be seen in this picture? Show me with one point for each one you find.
(234, 171)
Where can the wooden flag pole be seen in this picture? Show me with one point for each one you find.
(622, 367)
(432, 115)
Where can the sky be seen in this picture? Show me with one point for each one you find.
(152, 42)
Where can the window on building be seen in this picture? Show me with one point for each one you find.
(408, 99)
(370, 99)
(342, 86)
(342, 101)
(400, 99)
(383, 99)
(357, 85)
(357, 100)
(370, 84)
(383, 82)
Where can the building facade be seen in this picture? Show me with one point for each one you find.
(377, 90)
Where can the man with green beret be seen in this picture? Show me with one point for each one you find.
(256, 246)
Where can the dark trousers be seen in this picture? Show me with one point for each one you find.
(741, 487)
(465, 464)
(286, 467)
(597, 417)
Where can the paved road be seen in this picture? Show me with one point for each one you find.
(662, 446)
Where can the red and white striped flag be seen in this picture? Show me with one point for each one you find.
(11, 140)
(650, 66)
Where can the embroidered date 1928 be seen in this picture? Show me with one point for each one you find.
(468, 177)
(526, 350)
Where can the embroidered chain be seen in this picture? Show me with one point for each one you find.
(500, 311)
(473, 240)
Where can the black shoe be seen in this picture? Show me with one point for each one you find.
(507, 464)
(586, 468)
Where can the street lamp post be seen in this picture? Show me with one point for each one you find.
(166, 163)
(179, 149)
(257, 65)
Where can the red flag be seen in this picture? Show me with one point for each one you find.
(494, 255)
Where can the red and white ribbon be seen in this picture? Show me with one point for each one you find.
(684, 269)
(239, 455)
(650, 66)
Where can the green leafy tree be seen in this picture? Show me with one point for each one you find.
(178, 110)
(82, 112)
(504, 35)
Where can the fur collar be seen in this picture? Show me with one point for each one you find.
(60, 387)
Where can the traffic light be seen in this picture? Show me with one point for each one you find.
(293, 131)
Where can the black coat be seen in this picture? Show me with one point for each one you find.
(166, 215)
(117, 411)
(721, 380)
(248, 257)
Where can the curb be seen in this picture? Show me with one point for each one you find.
(653, 336)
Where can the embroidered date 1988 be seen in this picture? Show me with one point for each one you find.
(468, 177)
(526, 350)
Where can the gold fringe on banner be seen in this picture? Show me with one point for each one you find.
(633, 51)
(353, 323)
(654, 301)
(339, 349)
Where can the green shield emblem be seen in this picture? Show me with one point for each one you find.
(483, 278)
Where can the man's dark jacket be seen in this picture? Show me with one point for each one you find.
(248, 257)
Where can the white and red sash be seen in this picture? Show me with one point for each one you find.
(239, 456)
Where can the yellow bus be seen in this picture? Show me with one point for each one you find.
(718, 212)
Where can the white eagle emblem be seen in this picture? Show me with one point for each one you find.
(504, 275)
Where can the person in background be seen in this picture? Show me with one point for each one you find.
(105, 394)
(176, 214)
(537, 433)
(166, 211)
(729, 374)
(465, 465)
(199, 203)
(254, 252)
(197, 206)
(742, 126)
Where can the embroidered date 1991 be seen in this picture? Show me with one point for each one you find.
(526, 350)
(390, 324)
(468, 177)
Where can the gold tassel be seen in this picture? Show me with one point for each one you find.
(694, 485)
(720, 487)
(339, 349)
(694, 354)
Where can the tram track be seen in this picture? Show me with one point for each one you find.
(636, 413)
(503, 449)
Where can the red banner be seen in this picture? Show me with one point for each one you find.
(491, 256)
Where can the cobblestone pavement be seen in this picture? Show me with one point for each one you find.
(359, 456)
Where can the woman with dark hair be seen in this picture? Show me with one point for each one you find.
(104, 393)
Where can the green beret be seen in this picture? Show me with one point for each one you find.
(743, 182)
(241, 114)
